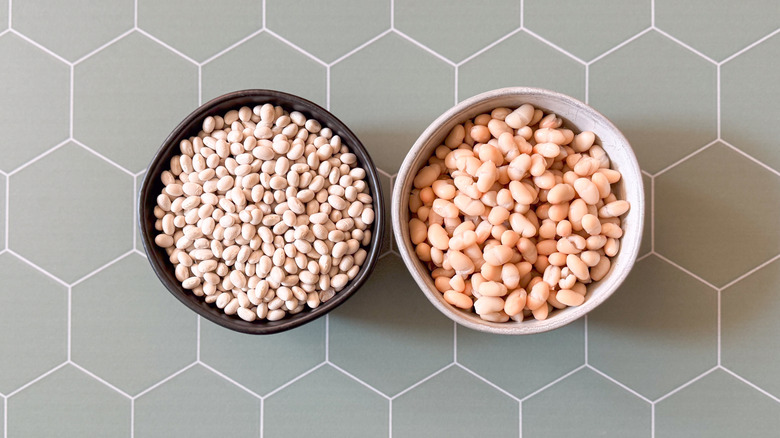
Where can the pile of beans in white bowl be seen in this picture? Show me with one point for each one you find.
(264, 213)
(514, 215)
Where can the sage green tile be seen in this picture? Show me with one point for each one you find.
(717, 405)
(388, 93)
(33, 323)
(87, 216)
(31, 78)
(200, 28)
(68, 403)
(658, 331)
(749, 328)
(129, 97)
(247, 66)
(154, 337)
(389, 335)
(717, 29)
(647, 232)
(706, 195)
(3, 14)
(749, 110)
(455, 403)
(197, 403)
(263, 363)
(560, 73)
(585, 405)
(328, 30)
(456, 29)
(662, 96)
(72, 29)
(387, 193)
(586, 29)
(542, 358)
(326, 403)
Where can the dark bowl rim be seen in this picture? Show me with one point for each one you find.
(147, 200)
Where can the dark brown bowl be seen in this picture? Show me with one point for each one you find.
(190, 126)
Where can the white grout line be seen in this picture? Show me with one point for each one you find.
(520, 419)
(718, 102)
(70, 323)
(640, 258)
(36, 267)
(296, 47)
(553, 382)
(355, 378)
(660, 256)
(360, 47)
(390, 418)
(555, 46)
(35, 380)
(618, 383)
(652, 420)
(750, 46)
(135, 211)
(132, 417)
(327, 87)
(425, 379)
(750, 157)
(382, 172)
(157, 385)
(233, 46)
(98, 270)
(684, 385)
(295, 379)
(10, 13)
(424, 47)
(197, 339)
(102, 47)
(101, 156)
(751, 384)
(166, 45)
(225, 377)
(652, 213)
(457, 80)
(522, 13)
(71, 113)
(454, 342)
(685, 158)
(652, 13)
(135, 13)
(619, 46)
(392, 17)
(488, 382)
(99, 379)
(264, 13)
(489, 46)
(200, 84)
(587, 83)
(7, 208)
(685, 46)
(262, 409)
(327, 337)
(40, 46)
(5, 407)
(38, 157)
(585, 343)
(750, 272)
(720, 329)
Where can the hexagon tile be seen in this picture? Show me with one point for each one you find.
(33, 323)
(83, 200)
(93, 345)
(662, 96)
(52, 24)
(694, 203)
(390, 340)
(34, 78)
(196, 402)
(100, 339)
(658, 331)
(68, 403)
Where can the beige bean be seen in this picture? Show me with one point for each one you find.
(612, 247)
(445, 209)
(538, 295)
(587, 190)
(497, 255)
(438, 237)
(499, 317)
(570, 298)
(599, 271)
(426, 176)
(460, 262)
(515, 302)
(578, 267)
(560, 193)
(485, 305)
(614, 209)
(542, 312)
(492, 289)
(458, 299)
(486, 176)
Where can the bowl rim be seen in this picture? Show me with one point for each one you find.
(426, 284)
(147, 200)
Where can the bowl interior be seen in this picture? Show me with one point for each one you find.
(578, 117)
(190, 126)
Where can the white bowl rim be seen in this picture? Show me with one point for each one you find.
(629, 242)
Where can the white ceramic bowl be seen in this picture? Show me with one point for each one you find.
(578, 117)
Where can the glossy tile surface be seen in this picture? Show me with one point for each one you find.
(92, 345)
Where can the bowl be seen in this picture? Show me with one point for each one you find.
(190, 126)
(578, 117)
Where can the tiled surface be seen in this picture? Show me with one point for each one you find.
(93, 344)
